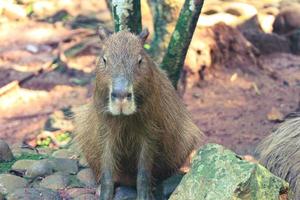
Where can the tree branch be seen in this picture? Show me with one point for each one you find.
(127, 15)
(165, 14)
(174, 58)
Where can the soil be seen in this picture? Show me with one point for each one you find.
(229, 105)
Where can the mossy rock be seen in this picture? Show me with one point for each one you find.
(218, 173)
(6, 166)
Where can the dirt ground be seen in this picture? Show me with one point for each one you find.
(230, 106)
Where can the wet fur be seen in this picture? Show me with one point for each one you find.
(280, 152)
(161, 121)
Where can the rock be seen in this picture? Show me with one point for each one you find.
(287, 20)
(23, 165)
(251, 24)
(218, 173)
(87, 177)
(43, 8)
(75, 192)
(55, 182)
(65, 153)
(243, 10)
(86, 197)
(39, 168)
(65, 165)
(17, 150)
(211, 20)
(5, 152)
(125, 193)
(295, 41)
(9, 183)
(266, 22)
(33, 193)
(268, 43)
(167, 187)
(14, 11)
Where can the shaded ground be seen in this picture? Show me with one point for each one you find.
(230, 112)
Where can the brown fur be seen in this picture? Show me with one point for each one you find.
(161, 124)
(280, 152)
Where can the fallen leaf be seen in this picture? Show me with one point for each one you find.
(275, 115)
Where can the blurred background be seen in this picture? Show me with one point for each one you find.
(241, 74)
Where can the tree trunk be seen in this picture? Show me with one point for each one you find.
(127, 15)
(109, 6)
(165, 14)
(174, 58)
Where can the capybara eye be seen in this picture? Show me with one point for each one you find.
(140, 59)
(104, 60)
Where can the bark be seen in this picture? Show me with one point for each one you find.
(109, 5)
(127, 15)
(165, 14)
(181, 38)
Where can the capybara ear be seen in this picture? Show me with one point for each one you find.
(102, 32)
(143, 35)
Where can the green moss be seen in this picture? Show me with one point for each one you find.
(32, 156)
(6, 166)
(218, 173)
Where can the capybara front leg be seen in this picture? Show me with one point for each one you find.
(107, 185)
(144, 175)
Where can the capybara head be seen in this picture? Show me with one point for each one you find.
(122, 71)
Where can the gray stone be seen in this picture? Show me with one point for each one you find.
(75, 192)
(39, 168)
(18, 150)
(125, 193)
(9, 183)
(33, 193)
(218, 173)
(87, 177)
(65, 165)
(268, 43)
(5, 152)
(295, 41)
(23, 164)
(86, 197)
(65, 153)
(55, 181)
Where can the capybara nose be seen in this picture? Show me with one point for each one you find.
(121, 95)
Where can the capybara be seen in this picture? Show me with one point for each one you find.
(280, 152)
(135, 130)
